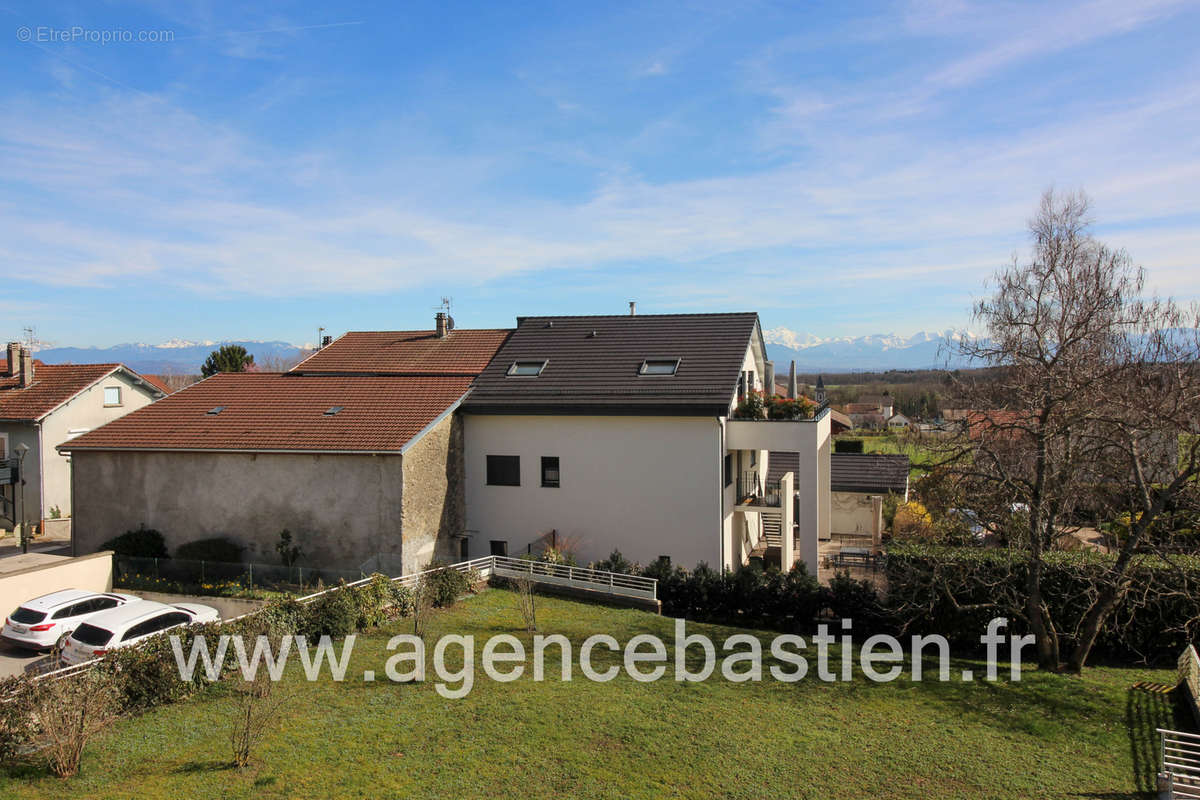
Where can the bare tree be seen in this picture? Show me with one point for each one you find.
(68, 712)
(423, 597)
(526, 601)
(256, 705)
(1087, 373)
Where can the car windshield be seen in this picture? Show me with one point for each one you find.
(27, 616)
(91, 635)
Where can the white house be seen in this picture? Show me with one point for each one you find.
(43, 405)
(898, 422)
(615, 432)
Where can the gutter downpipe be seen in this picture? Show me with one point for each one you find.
(721, 487)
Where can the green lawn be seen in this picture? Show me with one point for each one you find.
(1046, 736)
(892, 444)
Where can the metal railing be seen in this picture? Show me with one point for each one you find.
(752, 488)
(1179, 757)
(613, 583)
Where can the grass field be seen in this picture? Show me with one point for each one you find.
(892, 444)
(1046, 736)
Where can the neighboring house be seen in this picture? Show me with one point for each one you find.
(898, 422)
(614, 432)
(42, 405)
(864, 416)
(356, 451)
(882, 404)
(857, 482)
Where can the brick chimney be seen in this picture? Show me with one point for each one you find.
(26, 367)
(442, 323)
(14, 357)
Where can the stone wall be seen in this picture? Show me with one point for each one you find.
(434, 507)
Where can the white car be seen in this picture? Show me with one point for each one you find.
(44, 622)
(130, 624)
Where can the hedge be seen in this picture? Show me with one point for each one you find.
(1159, 618)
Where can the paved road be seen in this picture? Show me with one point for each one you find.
(15, 660)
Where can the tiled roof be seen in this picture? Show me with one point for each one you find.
(876, 473)
(53, 385)
(461, 352)
(592, 365)
(158, 383)
(274, 411)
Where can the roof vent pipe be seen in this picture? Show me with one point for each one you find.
(633, 308)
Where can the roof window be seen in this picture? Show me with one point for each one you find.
(526, 369)
(331, 411)
(212, 412)
(659, 366)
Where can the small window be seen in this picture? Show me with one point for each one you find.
(499, 547)
(526, 369)
(659, 366)
(550, 472)
(504, 470)
(464, 549)
(212, 412)
(3, 446)
(728, 469)
(754, 458)
(334, 410)
(112, 395)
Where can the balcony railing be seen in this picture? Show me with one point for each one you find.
(756, 491)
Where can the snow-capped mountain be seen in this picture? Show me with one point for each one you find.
(877, 351)
(176, 356)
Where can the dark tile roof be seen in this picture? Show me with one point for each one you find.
(274, 411)
(53, 385)
(461, 352)
(593, 365)
(876, 473)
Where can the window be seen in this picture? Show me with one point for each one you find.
(754, 458)
(464, 549)
(750, 379)
(526, 369)
(728, 469)
(112, 395)
(334, 410)
(550, 472)
(499, 547)
(741, 386)
(504, 470)
(3, 446)
(659, 366)
(212, 412)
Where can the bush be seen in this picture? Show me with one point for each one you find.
(447, 585)
(1151, 626)
(147, 676)
(752, 406)
(142, 543)
(617, 563)
(779, 407)
(218, 548)
(912, 520)
(335, 614)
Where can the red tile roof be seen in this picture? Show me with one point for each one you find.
(274, 411)
(158, 383)
(461, 352)
(53, 385)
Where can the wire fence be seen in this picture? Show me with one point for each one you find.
(209, 577)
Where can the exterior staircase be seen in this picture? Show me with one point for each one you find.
(772, 530)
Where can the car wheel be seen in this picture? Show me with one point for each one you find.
(61, 643)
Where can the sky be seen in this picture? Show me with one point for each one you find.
(198, 171)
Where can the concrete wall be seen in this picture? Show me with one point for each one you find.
(434, 505)
(91, 573)
(27, 434)
(648, 486)
(344, 509)
(851, 513)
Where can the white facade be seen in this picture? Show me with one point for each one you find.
(647, 486)
(47, 472)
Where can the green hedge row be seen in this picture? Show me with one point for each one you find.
(948, 590)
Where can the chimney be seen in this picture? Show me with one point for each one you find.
(442, 325)
(14, 357)
(26, 367)
(633, 308)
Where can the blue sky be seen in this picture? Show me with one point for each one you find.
(843, 169)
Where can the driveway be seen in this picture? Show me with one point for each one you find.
(16, 660)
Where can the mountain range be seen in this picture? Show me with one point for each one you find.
(880, 351)
(174, 357)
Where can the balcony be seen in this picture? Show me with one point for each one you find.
(753, 490)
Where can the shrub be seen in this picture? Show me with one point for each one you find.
(780, 407)
(447, 585)
(142, 543)
(752, 406)
(16, 726)
(218, 548)
(147, 676)
(617, 563)
(334, 614)
(953, 591)
(69, 712)
(912, 520)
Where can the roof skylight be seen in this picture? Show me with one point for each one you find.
(212, 412)
(659, 366)
(526, 369)
(331, 411)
